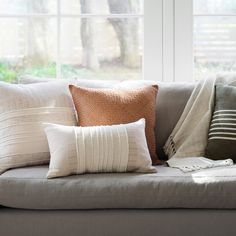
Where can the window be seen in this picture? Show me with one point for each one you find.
(214, 36)
(163, 40)
(199, 38)
(86, 39)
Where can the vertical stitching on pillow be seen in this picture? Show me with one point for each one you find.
(124, 149)
(77, 151)
(83, 148)
(97, 164)
(119, 151)
(111, 150)
(126, 154)
(101, 147)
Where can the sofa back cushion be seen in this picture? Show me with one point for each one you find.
(171, 101)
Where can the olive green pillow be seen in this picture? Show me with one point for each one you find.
(222, 133)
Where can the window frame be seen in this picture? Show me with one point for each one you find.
(168, 49)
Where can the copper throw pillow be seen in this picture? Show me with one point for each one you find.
(117, 106)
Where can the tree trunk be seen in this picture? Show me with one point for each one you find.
(127, 31)
(90, 58)
(37, 35)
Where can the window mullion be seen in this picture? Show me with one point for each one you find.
(183, 34)
(168, 41)
(153, 40)
(58, 59)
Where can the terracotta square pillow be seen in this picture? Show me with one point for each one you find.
(118, 106)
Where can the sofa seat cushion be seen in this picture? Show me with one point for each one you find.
(169, 188)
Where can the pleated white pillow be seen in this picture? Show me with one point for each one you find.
(23, 110)
(116, 148)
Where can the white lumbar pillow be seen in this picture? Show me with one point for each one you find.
(116, 148)
(23, 110)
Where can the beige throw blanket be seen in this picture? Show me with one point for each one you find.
(186, 145)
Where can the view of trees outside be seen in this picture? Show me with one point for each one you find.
(96, 47)
(214, 36)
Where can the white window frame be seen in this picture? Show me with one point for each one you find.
(153, 40)
(183, 62)
(168, 44)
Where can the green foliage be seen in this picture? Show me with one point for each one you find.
(10, 72)
(7, 73)
(42, 71)
(69, 71)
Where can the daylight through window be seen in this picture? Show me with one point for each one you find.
(214, 36)
(84, 39)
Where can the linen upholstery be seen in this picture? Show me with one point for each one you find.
(168, 188)
(130, 222)
(116, 148)
(117, 106)
(125, 222)
(23, 109)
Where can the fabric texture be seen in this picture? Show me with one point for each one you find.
(116, 148)
(197, 163)
(23, 109)
(190, 135)
(222, 132)
(118, 222)
(168, 188)
(118, 106)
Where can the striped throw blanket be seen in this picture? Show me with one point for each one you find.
(186, 145)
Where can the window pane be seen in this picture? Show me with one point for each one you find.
(102, 6)
(27, 46)
(214, 7)
(27, 6)
(214, 44)
(98, 48)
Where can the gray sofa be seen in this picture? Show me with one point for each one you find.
(165, 203)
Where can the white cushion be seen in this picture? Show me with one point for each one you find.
(116, 148)
(23, 110)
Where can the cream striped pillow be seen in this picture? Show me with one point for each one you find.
(116, 148)
(23, 110)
